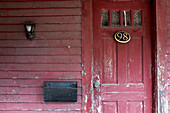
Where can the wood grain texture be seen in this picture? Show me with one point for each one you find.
(41, 20)
(168, 46)
(41, 12)
(40, 43)
(40, 67)
(27, 99)
(122, 70)
(41, 59)
(25, 91)
(40, 51)
(68, 111)
(40, 106)
(42, 35)
(160, 47)
(30, 82)
(87, 50)
(43, 28)
(41, 75)
(42, 4)
(54, 55)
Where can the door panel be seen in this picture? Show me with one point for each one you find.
(135, 107)
(109, 106)
(109, 61)
(123, 70)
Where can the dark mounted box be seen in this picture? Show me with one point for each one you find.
(60, 91)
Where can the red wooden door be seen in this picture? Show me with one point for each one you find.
(123, 71)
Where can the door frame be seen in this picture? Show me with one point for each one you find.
(159, 56)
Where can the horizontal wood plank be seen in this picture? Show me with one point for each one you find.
(40, 51)
(40, 67)
(41, 20)
(42, 27)
(41, 75)
(29, 83)
(40, 43)
(41, 106)
(26, 98)
(41, 12)
(66, 111)
(42, 35)
(33, 0)
(40, 59)
(25, 91)
(40, 4)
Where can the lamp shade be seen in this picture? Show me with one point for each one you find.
(29, 27)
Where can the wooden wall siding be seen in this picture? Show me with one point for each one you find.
(168, 48)
(54, 55)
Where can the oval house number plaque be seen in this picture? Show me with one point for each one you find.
(122, 37)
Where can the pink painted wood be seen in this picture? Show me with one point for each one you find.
(54, 55)
(123, 70)
(87, 45)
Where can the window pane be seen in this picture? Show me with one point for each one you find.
(126, 18)
(137, 18)
(104, 18)
(115, 18)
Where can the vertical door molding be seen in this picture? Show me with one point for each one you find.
(87, 34)
(160, 57)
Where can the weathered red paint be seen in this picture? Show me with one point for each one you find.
(58, 47)
(161, 54)
(123, 70)
(168, 50)
(41, 12)
(40, 111)
(41, 20)
(54, 55)
(43, 35)
(87, 79)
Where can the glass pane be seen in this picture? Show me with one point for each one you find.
(126, 18)
(137, 18)
(115, 18)
(104, 18)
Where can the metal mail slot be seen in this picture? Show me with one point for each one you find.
(60, 91)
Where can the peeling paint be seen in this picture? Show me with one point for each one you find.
(85, 108)
(99, 109)
(85, 98)
(38, 109)
(169, 74)
(14, 77)
(162, 88)
(36, 77)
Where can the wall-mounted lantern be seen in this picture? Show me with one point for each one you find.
(29, 28)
